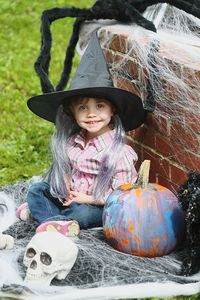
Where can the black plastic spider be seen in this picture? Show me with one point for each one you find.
(126, 11)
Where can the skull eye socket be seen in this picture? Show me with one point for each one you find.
(45, 258)
(30, 253)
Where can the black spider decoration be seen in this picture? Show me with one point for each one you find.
(189, 199)
(125, 11)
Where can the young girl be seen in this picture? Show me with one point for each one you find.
(90, 156)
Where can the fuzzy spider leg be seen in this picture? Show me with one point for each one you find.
(42, 63)
(43, 60)
(122, 11)
(69, 55)
(134, 15)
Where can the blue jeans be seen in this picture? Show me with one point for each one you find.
(44, 207)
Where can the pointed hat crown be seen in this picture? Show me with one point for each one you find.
(92, 70)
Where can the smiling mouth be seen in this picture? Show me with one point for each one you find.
(93, 122)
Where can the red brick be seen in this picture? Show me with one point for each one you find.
(195, 99)
(129, 65)
(119, 43)
(167, 108)
(139, 150)
(177, 175)
(163, 145)
(172, 186)
(159, 166)
(118, 59)
(190, 76)
(145, 136)
(125, 84)
(133, 68)
(109, 56)
(174, 66)
(189, 117)
(192, 120)
(177, 152)
(158, 122)
(171, 91)
(138, 134)
(114, 57)
(184, 136)
(186, 159)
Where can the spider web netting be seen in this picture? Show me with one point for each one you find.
(100, 272)
(165, 74)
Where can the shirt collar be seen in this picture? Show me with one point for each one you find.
(100, 142)
(80, 138)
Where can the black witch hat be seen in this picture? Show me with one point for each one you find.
(92, 79)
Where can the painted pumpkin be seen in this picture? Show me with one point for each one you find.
(144, 221)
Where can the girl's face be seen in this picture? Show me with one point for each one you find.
(93, 114)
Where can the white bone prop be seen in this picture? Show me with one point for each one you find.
(7, 211)
(49, 255)
(6, 241)
(7, 218)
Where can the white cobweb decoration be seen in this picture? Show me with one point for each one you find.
(167, 78)
(101, 272)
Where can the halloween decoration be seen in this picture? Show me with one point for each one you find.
(49, 255)
(143, 219)
(6, 241)
(129, 11)
(6, 204)
(99, 268)
(189, 199)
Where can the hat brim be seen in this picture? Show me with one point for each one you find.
(129, 106)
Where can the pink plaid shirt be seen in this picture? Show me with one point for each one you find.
(86, 159)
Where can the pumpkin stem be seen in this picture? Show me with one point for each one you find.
(143, 174)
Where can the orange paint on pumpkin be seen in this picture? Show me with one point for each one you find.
(156, 242)
(107, 233)
(137, 192)
(159, 187)
(126, 186)
(140, 253)
(117, 247)
(164, 238)
(124, 242)
(131, 228)
(137, 239)
(151, 252)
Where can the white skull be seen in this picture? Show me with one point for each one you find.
(49, 255)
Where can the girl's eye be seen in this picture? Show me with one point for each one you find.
(82, 107)
(100, 105)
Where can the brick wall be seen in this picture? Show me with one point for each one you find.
(159, 138)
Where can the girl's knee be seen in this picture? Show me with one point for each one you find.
(35, 191)
(38, 187)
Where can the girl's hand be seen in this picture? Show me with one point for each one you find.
(78, 197)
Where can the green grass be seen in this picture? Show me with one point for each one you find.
(24, 138)
(24, 146)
